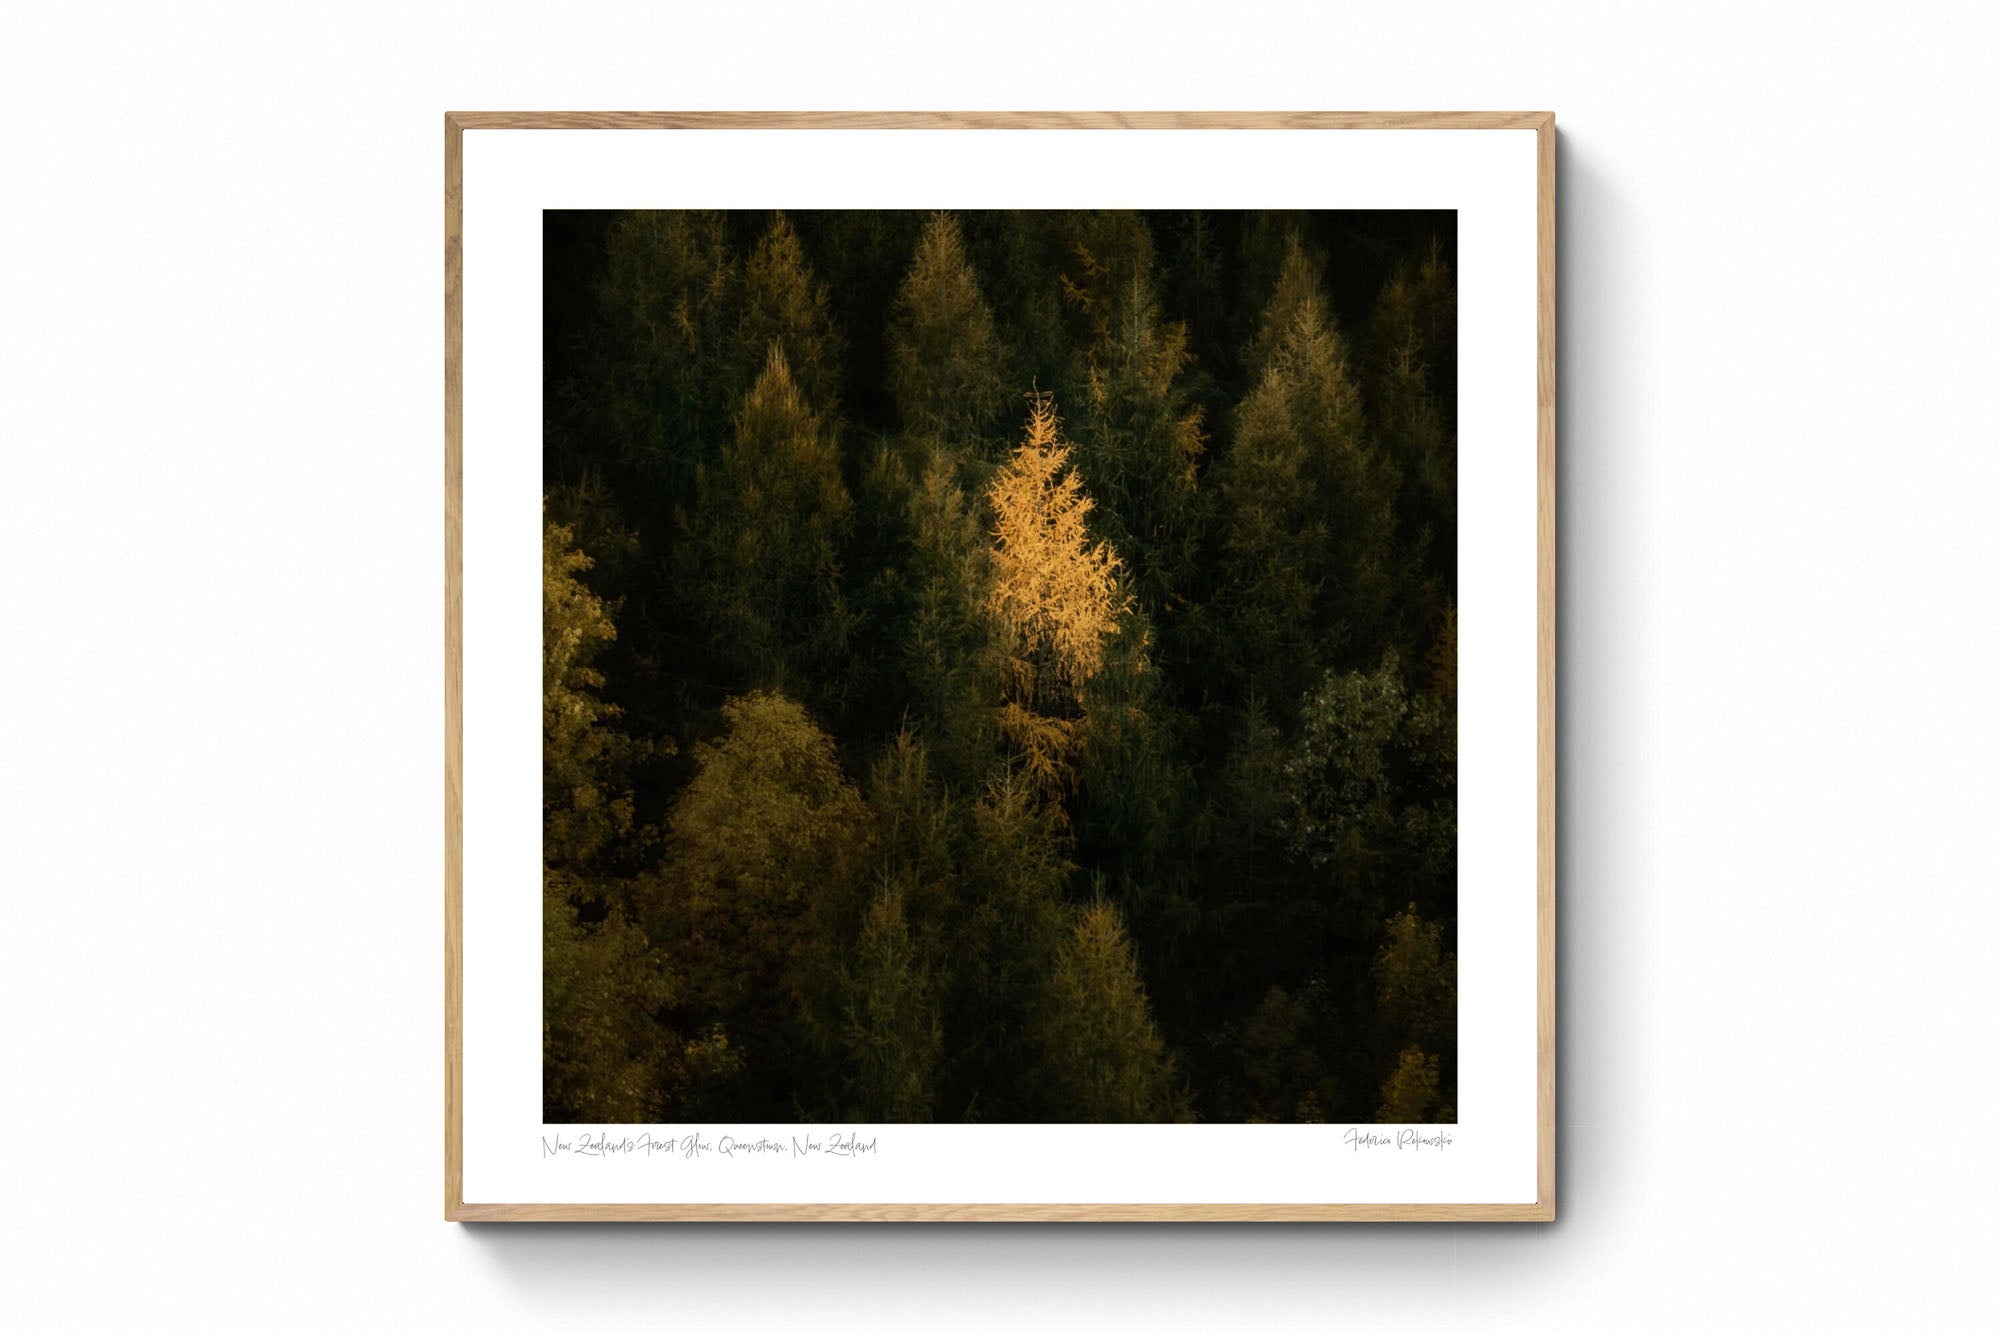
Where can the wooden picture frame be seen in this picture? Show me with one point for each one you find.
(1541, 1208)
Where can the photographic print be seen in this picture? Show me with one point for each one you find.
(999, 666)
(1043, 626)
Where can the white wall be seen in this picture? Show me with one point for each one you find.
(219, 550)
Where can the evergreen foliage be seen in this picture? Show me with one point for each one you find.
(914, 753)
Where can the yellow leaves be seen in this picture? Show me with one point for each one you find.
(1054, 586)
(1044, 744)
(574, 620)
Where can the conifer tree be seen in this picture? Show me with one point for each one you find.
(667, 373)
(1309, 549)
(1371, 791)
(890, 1036)
(1058, 592)
(765, 543)
(1139, 438)
(1284, 1074)
(944, 355)
(1003, 944)
(1296, 296)
(952, 654)
(1102, 1057)
(767, 849)
(784, 306)
(1411, 368)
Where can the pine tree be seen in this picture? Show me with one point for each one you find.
(1412, 388)
(583, 812)
(1058, 592)
(1057, 588)
(1309, 549)
(1139, 436)
(764, 543)
(1283, 1071)
(1002, 944)
(1102, 1058)
(889, 1032)
(952, 656)
(944, 355)
(767, 849)
(784, 306)
(604, 1058)
(667, 375)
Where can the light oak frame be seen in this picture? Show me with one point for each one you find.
(1543, 1208)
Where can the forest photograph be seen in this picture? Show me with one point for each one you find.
(999, 667)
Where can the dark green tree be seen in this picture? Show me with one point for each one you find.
(1101, 1056)
(1412, 389)
(1311, 563)
(944, 355)
(767, 855)
(785, 306)
(763, 543)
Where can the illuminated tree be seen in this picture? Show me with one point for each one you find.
(1057, 590)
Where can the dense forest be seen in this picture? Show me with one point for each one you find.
(999, 667)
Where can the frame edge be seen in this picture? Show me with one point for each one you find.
(1545, 652)
(1544, 1207)
(454, 647)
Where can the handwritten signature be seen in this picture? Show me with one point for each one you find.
(1402, 1140)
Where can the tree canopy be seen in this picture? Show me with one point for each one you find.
(999, 666)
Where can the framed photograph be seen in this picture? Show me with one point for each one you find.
(1044, 629)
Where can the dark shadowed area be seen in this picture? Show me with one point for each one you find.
(1000, 666)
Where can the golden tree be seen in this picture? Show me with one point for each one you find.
(1059, 593)
(1059, 590)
